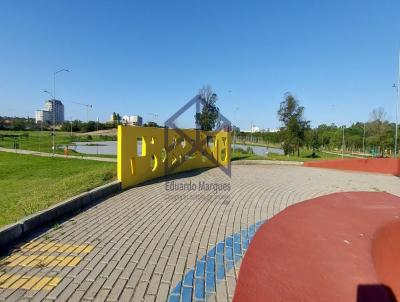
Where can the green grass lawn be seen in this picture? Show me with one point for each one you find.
(305, 155)
(43, 141)
(32, 183)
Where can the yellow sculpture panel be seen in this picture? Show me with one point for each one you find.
(146, 153)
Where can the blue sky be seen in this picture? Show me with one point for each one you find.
(339, 58)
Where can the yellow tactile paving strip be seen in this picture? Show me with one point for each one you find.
(41, 261)
(45, 258)
(28, 282)
(56, 247)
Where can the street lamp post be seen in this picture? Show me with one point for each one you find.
(233, 124)
(87, 109)
(397, 122)
(397, 109)
(155, 117)
(54, 105)
(343, 142)
(251, 133)
(53, 122)
(234, 130)
(397, 114)
(364, 140)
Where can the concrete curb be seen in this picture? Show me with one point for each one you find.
(266, 162)
(13, 232)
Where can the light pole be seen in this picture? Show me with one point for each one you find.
(87, 109)
(397, 109)
(343, 142)
(54, 105)
(364, 140)
(53, 119)
(155, 117)
(234, 130)
(397, 114)
(251, 133)
(233, 127)
(54, 79)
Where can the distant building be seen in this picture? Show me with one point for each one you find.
(236, 129)
(43, 116)
(54, 109)
(253, 129)
(133, 120)
(58, 110)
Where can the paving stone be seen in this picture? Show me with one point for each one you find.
(148, 243)
(94, 289)
(117, 290)
(126, 295)
(163, 291)
(154, 284)
(112, 279)
(134, 279)
(140, 291)
(101, 295)
(149, 298)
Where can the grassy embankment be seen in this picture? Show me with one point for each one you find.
(31, 183)
(43, 141)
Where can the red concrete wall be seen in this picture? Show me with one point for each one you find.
(375, 165)
(331, 248)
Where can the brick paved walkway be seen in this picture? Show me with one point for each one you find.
(153, 244)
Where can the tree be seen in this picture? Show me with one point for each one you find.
(315, 143)
(207, 119)
(295, 126)
(19, 124)
(118, 119)
(379, 128)
(114, 119)
(151, 124)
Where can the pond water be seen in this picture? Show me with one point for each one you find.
(110, 148)
(104, 148)
(260, 150)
